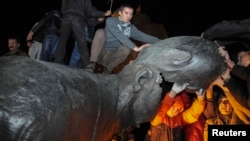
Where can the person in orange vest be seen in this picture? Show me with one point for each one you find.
(172, 115)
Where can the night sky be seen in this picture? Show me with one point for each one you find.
(179, 18)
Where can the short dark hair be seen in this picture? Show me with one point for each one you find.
(126, 5)
(15, 38)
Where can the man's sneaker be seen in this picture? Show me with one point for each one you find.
(91, 67)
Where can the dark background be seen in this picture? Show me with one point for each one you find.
(179, 18)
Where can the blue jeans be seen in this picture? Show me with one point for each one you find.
(50, 43)
(75, 57)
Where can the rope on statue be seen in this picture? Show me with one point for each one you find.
(111, 4)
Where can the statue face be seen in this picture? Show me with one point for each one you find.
(140, 92)
(185, 59)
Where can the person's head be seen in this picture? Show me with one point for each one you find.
(225, 108)
(221, 103)
(13, 44)
(244, 58)
(126, 12)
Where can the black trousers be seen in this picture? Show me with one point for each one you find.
(75, 25)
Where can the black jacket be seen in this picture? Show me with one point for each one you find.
(19, 52)
(48, 24)
(240, 89)
(229, 32)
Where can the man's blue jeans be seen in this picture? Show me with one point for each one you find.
(75, 57)
(50, 43)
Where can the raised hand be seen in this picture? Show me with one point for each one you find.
(177, 88)
(200, 94)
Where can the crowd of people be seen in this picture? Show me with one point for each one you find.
(181, 116)
(226, 100)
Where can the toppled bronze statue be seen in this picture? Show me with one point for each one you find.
(43, 101)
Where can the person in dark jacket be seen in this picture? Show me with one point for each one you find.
(75, 16)
(228, 33)
(242, 71)
(43, 37)
(90, 31)
(14, 47)
(51, 24)
(34, 41)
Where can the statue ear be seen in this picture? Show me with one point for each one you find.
(141, 78)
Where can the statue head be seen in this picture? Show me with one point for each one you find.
(184, 59)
